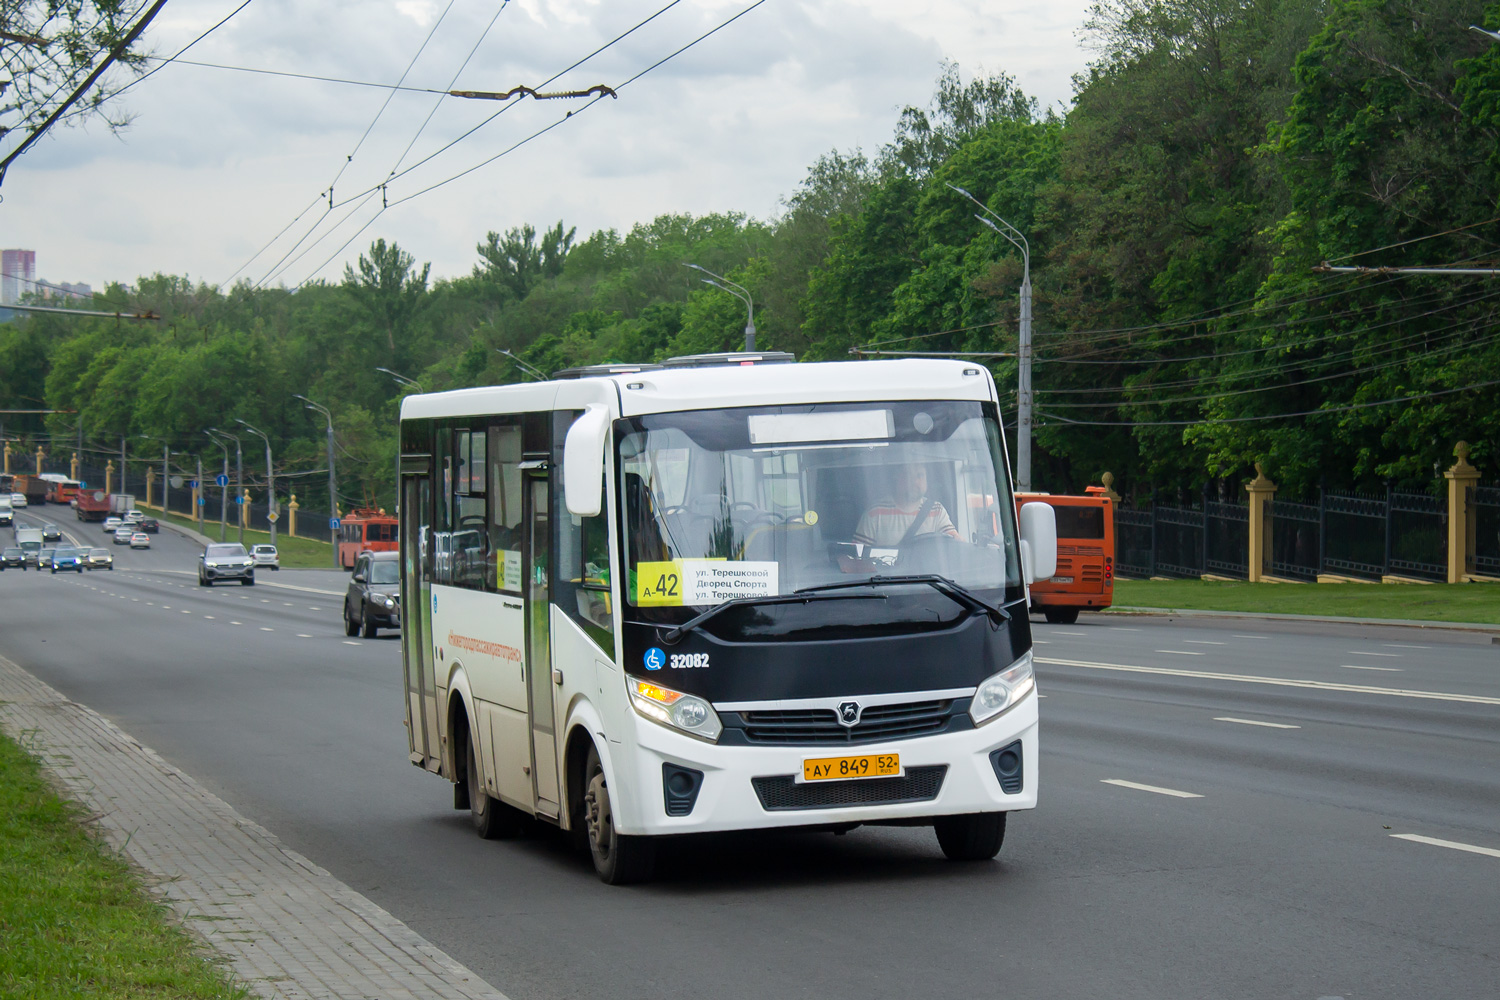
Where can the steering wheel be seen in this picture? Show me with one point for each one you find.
(926, 546)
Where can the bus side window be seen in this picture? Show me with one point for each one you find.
(580, 562)
(469, 542)
(504, 452)
(442, 507)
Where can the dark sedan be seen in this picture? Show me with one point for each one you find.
(374, 598)
(149, 525)
(12, 558)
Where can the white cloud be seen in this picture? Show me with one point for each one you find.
(218, 162)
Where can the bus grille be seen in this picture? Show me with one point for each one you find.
(782, 792)
(813, 726)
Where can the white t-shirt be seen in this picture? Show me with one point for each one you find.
(886, 523)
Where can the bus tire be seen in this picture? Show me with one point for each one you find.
(493, 819)
(975, 837)
(1061, 616)
(618, 859)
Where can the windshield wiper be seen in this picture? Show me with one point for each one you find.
(957, 592)
(672, 635)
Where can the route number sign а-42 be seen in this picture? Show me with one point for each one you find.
(702, 582)
(875, 765)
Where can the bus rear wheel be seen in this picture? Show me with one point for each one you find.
(618, 859)
(1061, 616)
(976, 837)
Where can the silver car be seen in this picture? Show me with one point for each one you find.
(225, 561)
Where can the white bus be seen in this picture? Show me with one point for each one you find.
(721, 594)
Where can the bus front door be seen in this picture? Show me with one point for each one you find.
(538, 643)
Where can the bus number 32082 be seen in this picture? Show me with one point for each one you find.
(687, 661)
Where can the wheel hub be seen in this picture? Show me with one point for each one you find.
(596, 813)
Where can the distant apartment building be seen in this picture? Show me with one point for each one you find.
(17, 275)
(64, 289)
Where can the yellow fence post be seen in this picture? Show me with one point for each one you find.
(7, 458)
(1108, 479)
(291, 517)
(109, 476)
(244, 507)
(150, 481)
(1262, 491)
(39, 454)
(1461, 523)
(73, 469)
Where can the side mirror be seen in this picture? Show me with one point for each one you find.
(1038, 541)
(583, 462)
(358, 578)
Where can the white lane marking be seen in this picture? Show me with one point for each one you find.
(1357, 666)
(285, 604)
(265, 602)
(311, 608)
(150, 604)
(1058, 631)
(1116, 628)
(209, 617)
(349, 642)
(1150, 788)
(1402, 645)
(1254, 722)
(1181, 652)
(1203, 642)
(166, 607)
(1472, 699)
(264, 629)
(1040, 642)
(236, 623)
(1451, 844)
(1360, 652)
(1236, 635)
(186, 611)
(302, 636)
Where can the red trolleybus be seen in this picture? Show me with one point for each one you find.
(1085, 578)
(365, 529)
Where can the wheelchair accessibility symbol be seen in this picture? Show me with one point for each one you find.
(655, 659)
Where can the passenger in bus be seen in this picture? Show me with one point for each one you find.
(893, 519)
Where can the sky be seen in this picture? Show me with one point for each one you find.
(218, 166)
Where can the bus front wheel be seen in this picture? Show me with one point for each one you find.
(976, 837)
(618, 859)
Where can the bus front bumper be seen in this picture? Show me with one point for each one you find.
(759, 787)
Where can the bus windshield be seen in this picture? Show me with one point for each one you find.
(766, 501)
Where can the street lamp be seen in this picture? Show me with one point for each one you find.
(722, 283)
(1023, 400)
(526, 369)
(239, 472)
(402, 379)
(333, 486)
(270, 478)
(223, 490)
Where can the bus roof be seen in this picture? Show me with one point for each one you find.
(672, 389)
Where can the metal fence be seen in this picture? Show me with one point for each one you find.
(1485, 502)
(1358, 535)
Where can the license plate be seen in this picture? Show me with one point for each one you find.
(875, 765)
(1062, 579)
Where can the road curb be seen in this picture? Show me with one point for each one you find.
(1123, 610)
(287, 928)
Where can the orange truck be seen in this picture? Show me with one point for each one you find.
(1085, 577)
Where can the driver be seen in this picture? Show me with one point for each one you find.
(889, 521)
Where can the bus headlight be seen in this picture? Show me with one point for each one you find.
(686, 712)
(1000, 691)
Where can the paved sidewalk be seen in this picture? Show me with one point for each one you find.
(287, 928)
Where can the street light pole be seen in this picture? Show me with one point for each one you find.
(223, 490)
(333, 483)
(1023, 353)
(722, 283)
(270, 478)
(402, 379)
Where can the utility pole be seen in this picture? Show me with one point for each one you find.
(333, 483)
(1023, 394)
(122, 464)
(166, 487)
(199, 504)
(239, 479)
(271, 514)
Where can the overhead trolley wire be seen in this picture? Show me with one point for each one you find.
(175, 56)
(567, 117)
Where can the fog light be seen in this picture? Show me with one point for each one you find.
(1008, 765)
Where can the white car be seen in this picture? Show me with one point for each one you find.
(265, 555)
(140, 540)
(134, 517)
(18, 500)
(123, 535)
(112, 524)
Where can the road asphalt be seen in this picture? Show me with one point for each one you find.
(1229, 808)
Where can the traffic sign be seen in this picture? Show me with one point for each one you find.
(272, 516)
(202, 501)
(176, 482)
(192, 484)
(333, 523)
(221, 480)
(239, 499)
(82, 485)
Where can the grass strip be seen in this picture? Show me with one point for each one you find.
(295, 551)
(75, 919)
(1442, 602)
